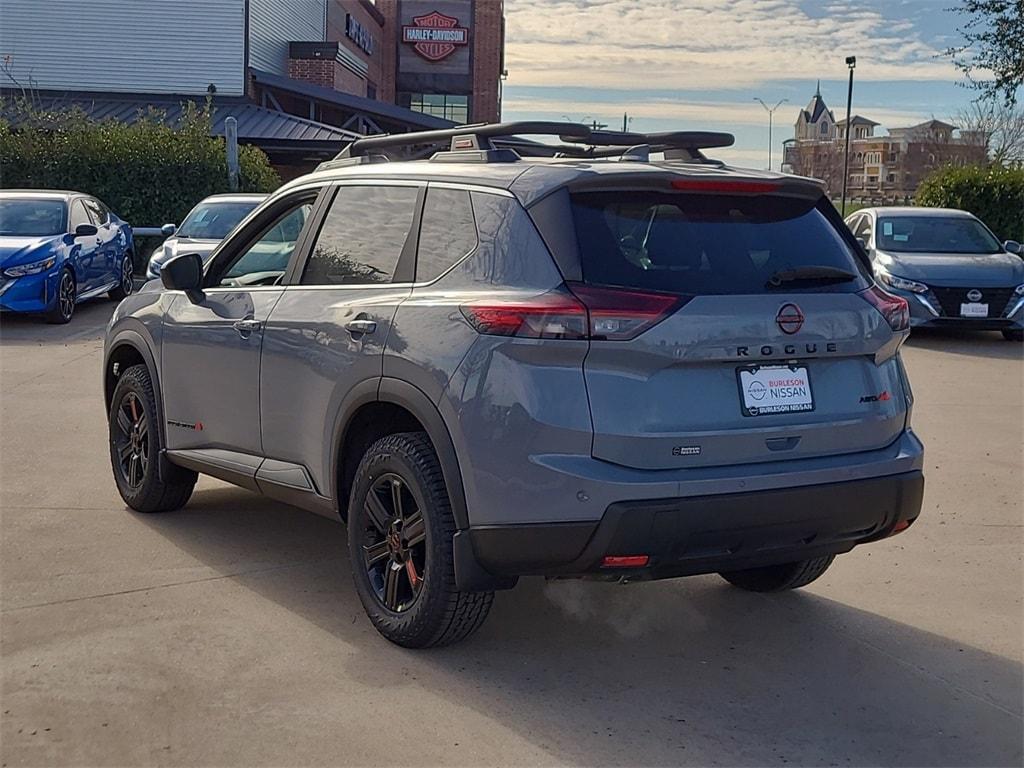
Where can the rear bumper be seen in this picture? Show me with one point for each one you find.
(707, 534)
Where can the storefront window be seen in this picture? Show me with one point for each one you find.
(448, 106)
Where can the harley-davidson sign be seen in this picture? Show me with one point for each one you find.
(435, 36)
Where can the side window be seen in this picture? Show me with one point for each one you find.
(265, 261)
(78, 215)
(447, 232)
(97, 211)
(362, 236)
(863, 228)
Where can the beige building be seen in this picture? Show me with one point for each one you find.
(887, 167)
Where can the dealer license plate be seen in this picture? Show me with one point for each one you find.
(974, 310)
(767, 389)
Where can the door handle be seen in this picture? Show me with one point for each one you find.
(360, 326)
(246, 327)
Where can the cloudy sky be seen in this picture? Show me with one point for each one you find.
(691, 64)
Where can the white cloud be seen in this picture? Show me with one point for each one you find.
(686, 114)
(705, 44)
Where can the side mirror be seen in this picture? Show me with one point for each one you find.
(1014, 247)
(86, 230)
(184, 273)
(168, 229)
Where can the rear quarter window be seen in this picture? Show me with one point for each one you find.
(707, 244)
(447, 232)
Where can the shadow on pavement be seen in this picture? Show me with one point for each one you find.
(970, 343)
(686, 671)
(89, 321)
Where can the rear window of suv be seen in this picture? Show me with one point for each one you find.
(707, 244)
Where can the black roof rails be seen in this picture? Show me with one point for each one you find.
(691, 140)
(460, 138)
(492, 142)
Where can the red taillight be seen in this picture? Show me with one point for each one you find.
(725, 186)
(624, 561)
(554, 315)
(582, 312)
(621, 314)
(894, 309)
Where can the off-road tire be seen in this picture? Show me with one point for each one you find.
(440, 614)
(61, 311)
(779, 578)
(153, 494)
(126, 273)
(1013, 334)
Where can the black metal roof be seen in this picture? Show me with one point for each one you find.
(256, 125)
(370, 107)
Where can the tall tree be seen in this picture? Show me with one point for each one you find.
(992, 54)
(995, 126)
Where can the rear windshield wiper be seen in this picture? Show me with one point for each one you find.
(811, 274)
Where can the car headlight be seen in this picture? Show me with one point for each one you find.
(901, 283)
(31, 269)
(1019, 290)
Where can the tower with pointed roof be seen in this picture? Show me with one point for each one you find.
(816, 122)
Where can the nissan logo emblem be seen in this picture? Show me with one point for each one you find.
(790, 318)
(974, 295)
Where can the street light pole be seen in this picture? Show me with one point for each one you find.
(771, 113)
(851, 62)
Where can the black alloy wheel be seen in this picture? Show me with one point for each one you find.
(394, 543)
(64, 306)
(127, 275)
(400, 543)
(135, 444)
(132, 441)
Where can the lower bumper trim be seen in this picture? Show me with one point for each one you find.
(706, 534)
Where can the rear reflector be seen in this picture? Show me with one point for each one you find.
(725, 186)
(894, 309)
(624, 561)
(576, 311)
(900, 527)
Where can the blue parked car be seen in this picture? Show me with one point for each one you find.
(60, 248)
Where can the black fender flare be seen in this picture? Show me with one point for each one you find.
(414, 400)
(129, 337)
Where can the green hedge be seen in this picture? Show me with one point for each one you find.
(148, 172)
(994, 194)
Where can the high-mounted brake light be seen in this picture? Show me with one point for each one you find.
(894, 309)
(725, 186)
(576, 311)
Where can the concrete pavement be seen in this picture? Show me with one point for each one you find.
(229, 633)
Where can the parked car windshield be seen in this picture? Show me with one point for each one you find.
(32, 218)
(214, 220)
(935, 234)
(710, 244)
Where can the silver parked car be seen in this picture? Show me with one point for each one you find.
(948, 265)
(591, 365)
(204, 227)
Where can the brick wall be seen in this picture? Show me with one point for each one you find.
(488, 26)
(370, 18)
(389, 49)
(316, 71)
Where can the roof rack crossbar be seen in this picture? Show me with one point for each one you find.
(463, 137)
(692, 140)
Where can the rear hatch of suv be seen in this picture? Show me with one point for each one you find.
(757, 333)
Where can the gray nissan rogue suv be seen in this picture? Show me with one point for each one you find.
(494, 357)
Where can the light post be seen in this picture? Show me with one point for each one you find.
(851, 62)
(771, 112)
